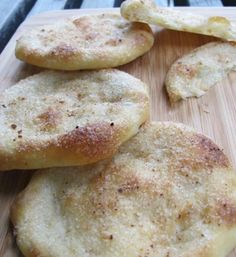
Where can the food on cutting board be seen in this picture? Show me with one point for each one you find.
(88, 42)
(169, 191)
(147, 11)
(196, 72)
(69, 118)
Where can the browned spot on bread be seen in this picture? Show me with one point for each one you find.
(184, 214)
(49, 119)
(70, 199)
(34, 252)
(21, 98)
(113, 42)
(91, 35)
(89, 143)
(82, 23)
(63, 51)
(13, 126)
(227, 212)
(92, 140)
(81, 95)
(132, 184)
(102, 203)
(189, 71)
(210, 154)
(198, 153)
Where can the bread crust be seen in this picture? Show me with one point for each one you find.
(169, 191)
(66, 119)
(88, 42)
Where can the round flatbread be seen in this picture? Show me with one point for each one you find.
(88, 42)
(65, 119)
(168, 192)
(195, 73)
(147, 11)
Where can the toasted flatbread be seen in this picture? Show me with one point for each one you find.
(69, 118)
(168, 192)
(196, 72)
(147, 11)
(88, 42)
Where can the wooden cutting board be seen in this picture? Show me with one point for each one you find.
(213, 114)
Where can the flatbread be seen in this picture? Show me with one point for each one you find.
(88, 42)
(168, 192)
(147, 11)
(196, 72)
(65, 119)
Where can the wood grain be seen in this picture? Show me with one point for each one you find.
(213, 114)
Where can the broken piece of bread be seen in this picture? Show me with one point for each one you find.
(195, 73)
(147, 11)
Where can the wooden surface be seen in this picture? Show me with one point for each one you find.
(213, 114)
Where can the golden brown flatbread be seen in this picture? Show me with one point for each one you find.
(69, 118)
(168, 192)
(196, 72)
(147, 11)
(88, 42)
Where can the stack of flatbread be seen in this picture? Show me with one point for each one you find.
(107, 184)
